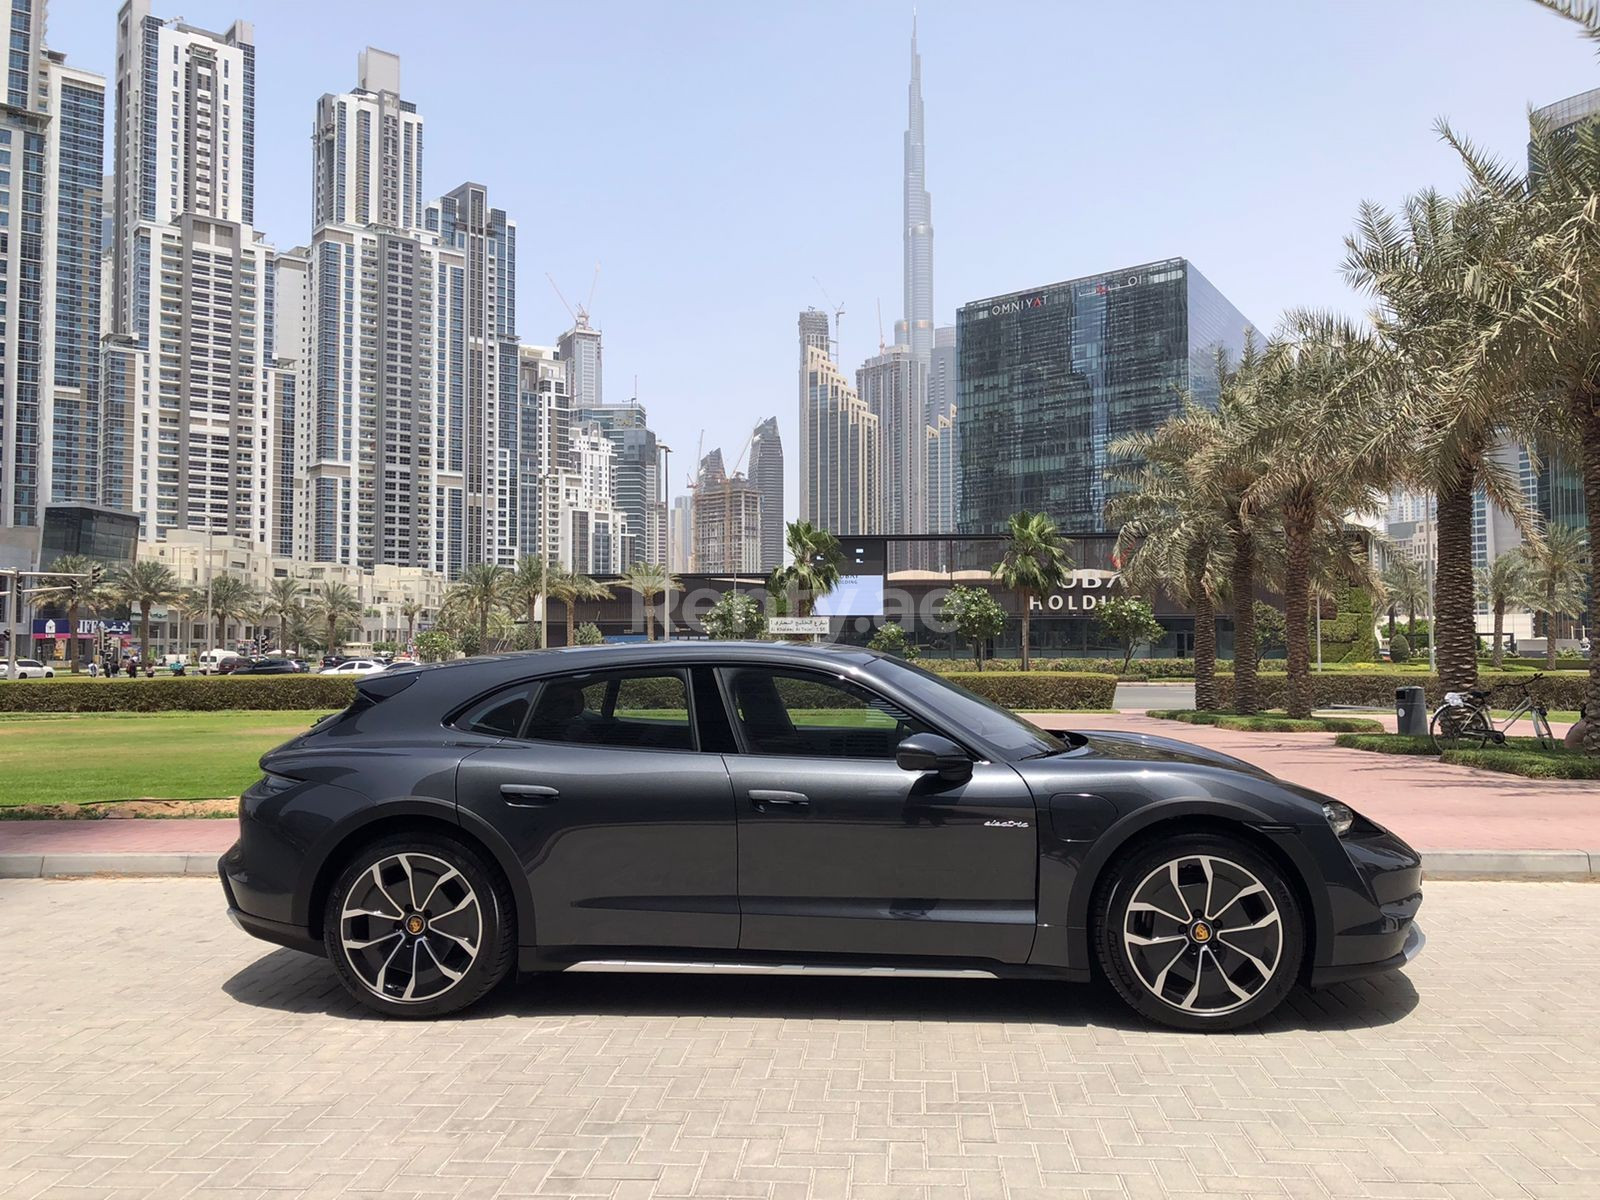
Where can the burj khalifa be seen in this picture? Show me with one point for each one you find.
(917, 326)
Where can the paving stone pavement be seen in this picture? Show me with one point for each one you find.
(149, 1049)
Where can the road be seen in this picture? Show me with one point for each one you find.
(148, 1049)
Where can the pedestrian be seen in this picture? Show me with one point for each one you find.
(94, 668)
(111, 666)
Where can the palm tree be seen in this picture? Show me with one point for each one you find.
(1405, 586)
(1557, 572)
(649, 580)
(1034, 564)
(191, 605)
(230, 598)
(336, 606)
(1417, 264)
(481, 589)
(410, 610)
(1541, 275)
(814, 569)
(77, 582)
(529, 583)
(1318, 432)
(1172, 535)
(148, 583)
(1225, 466)
(1501, 584)
(283, 597)
(570, 587)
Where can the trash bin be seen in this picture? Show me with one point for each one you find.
(1411, 711)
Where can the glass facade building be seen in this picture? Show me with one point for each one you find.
(1051, 376)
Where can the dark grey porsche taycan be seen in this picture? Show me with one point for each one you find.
(771, 808)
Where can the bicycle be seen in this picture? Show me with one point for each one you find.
(1465, 720)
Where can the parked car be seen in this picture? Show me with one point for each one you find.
(267, 666)
(210, 661)
(31, 668)
(772, 808)
(333, 660)
(397, 664)
(354, 666)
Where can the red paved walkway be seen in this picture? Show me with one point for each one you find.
(1433, 806)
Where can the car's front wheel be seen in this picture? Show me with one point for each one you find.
(419, 925)
(1201, 933)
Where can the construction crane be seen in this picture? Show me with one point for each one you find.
(838, 311)
(580, 314)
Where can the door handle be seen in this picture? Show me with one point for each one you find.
(764, 798)
(528, 795)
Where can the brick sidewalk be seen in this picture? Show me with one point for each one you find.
(150, 1050)
(1433, 806)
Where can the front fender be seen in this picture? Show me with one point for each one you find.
(1070, 871)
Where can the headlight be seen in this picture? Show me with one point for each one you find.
(1340, 816)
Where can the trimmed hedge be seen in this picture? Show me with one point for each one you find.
(1376, 688)
(198, 694)
(1040, 691)
(1139, 668)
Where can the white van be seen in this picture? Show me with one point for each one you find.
(209, 661)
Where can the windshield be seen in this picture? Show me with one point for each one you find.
(1000, 728)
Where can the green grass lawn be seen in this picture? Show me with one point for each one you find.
(1270, 722)
(1519, 756)
(69, 758)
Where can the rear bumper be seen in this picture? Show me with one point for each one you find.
(1415, 940)
(277, 932)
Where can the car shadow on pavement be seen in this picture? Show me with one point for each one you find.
(288, 981)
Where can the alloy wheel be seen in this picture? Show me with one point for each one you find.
(1203, 934)
(410, 927)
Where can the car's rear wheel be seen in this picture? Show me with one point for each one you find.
(1199, 932)
(419, 925)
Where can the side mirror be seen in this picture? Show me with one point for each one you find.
(930, 752)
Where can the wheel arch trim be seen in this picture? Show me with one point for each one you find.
(394, 816)
(1277, 840)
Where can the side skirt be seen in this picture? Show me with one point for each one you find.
(655, 960)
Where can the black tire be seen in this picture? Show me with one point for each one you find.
(446, 936)
(1455, 728)
(1202, 985)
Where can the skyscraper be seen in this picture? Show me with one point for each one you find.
(384, 478)
(51, 139)
(840, 453)
(464, 221)
(1049, 377)
(368, 151)
(766, 472)
(943, 455)
(637, 474)
(543, 449)
(579, 347)
(727, 521)
(894, 387)
(917, 267)
(187, 383)
(1560, 485)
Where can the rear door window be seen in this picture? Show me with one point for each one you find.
(643, 708)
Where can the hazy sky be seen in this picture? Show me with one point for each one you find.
(714, 157)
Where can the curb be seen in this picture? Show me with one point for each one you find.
(1582, 865)
(56, 866)
(1488, 865)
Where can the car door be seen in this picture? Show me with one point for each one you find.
(624, 827)
(843, 852)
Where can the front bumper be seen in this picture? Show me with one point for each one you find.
(1414, 942)
(1373, 897)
